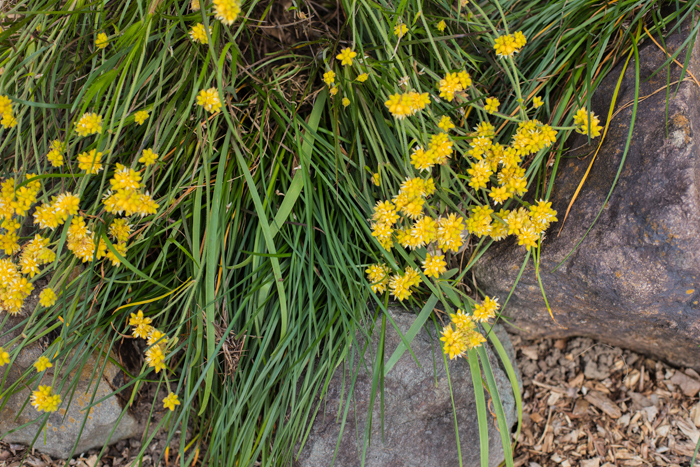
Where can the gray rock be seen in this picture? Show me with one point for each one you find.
(634, 282)
(63, 426)
(419, 425)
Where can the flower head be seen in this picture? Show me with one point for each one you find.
(446, 124)
(329, 77)
(42, 364)
(362, 78)
(491, 105)
(199, 34)
(227, 11)
(345, 102)
(148, 157)
(486, 310)
(537, 102)
(90, 162)
(47, 297)
(346, 56)
(101, 41)
(453, 342)
(378, 277)
(441, 26)
(140, 116)
(209, 99)
(44, 400)
(89, 124)
(4, 357)
(171, 401)
(400, 30)
(582, 124)
(434, 265)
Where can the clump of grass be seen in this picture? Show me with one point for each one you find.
(223, 195)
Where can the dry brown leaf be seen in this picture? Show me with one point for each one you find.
(603, 403)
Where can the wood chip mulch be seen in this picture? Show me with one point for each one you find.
(589, 404)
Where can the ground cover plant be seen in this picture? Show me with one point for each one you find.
(202, 180)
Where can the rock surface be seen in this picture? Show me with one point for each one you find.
(63, 427)
(419, 425)
(635, 279)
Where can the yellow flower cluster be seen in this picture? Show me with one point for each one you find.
(454, 83)
(199, 34)
(407, 104)
(90, 161)
(34, 254)
(400, 30)
(346, 56)
(438, 152)
(209, 99)
(510, 44)
(6, 112)
(4, 357)
(50, 216)
(101, 41)
(140, 117)
(378, 277)
(170, 401)
(55, 154)
(582, 124)
(47, 297)
(462, 334)
(44, 400)
(13, 287)
(401, 284)
(89, 124)
(227, 11)
(81, 242)
(128, 197)
(157, 341)
(120, 231)
(42, 363)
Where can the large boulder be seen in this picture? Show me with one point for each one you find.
(635, 280)
(419, 424)
(75, 421)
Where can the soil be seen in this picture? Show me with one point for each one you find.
(585, 404)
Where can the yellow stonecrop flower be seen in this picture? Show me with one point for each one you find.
(345, 102)
(434, 265)
(209, 99)
(55, 154)
(89, 124)
(140, 116)
(90, 162)
(171, 401)
(42, 364)
(542, 215)
(400, 285)
(377, 178)
(378, 277)
(582, 124)
(4, 357)
(8, 121)
(400, 30)
(199, 34)
(194, 5)
(148, 157)
(5, 105)
(537, 102)
(362, 77)
(155, 357)
(329, 77)
(449, 86)
(446, 124)
(227, 11)
(449, 232)
(454, 344)
(346, 56)
(510, 44)
(479, 173)
(486, 310)
(407, 104)
(35, 254)
(156, 337)
(479, 223)
(13, 287)
(101, 41)
(120, 230)
(441, 26)
(44, 400)
(47, 297)
(334, 90)
(491, 105)
(462, 337)
(385, 213)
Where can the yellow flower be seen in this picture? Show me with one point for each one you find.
(42, 364)
(4, 357)
(537, 102)
(334, 91)
(101, 41)
(346, 102)
(377, 178)
(43, 399)
(446, 124)
(486, 310)
(434, 265)
(449, 232)
(453, 342)
(362, 78)
(155, 358)
(449, 86)
(199, 34)
(194, 5)
(465, 80)
(441, 26)
(47, 297)
(138, 319)
(491, 105)
(582, 124)
(8, 121)
(170, 402)
(148, 157)
(227, 11)
(156, 337)
(140, 116)
(90, 162)
(400, 285)
(378, 277)
(505, 46)
(400, 30)
(5, 105)
(89, 124)
(519, 39)
(346, 56)
(209, 99)
(55, 154)
(329, 78)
